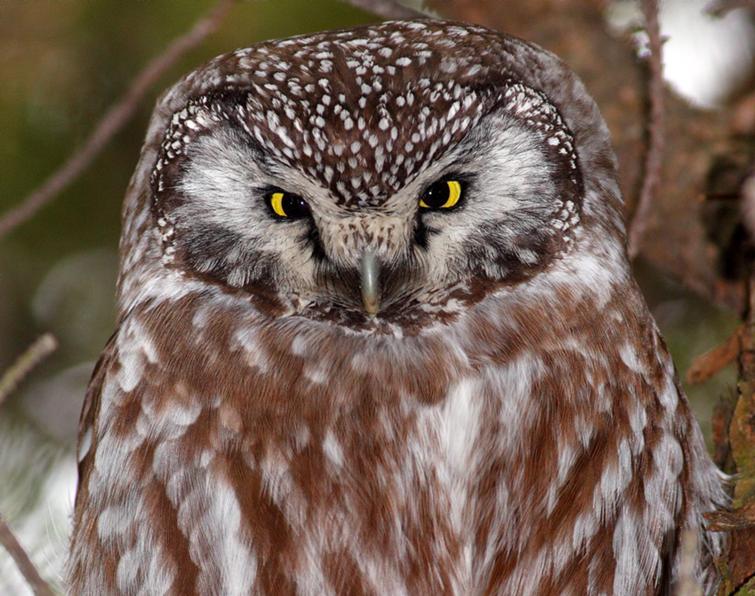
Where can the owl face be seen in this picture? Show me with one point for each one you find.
(370, 172)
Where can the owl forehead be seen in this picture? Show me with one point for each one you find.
(362, 112)
(364, 143)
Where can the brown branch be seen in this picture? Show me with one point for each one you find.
(748, 206)
(656, 130)
(114, 119)
(706, 365)
(23, 562)
(31, 357)
(720, 7)
(726, 521)
(387, 9)
(39, 350)
(740, 563)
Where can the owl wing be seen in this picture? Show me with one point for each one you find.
(85, 448)
(685, 471)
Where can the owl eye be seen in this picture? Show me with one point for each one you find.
(287, 205)
(443, 194)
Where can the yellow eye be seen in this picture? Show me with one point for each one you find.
(444, 194)
(286, 205)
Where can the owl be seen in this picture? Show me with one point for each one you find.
(377, 334)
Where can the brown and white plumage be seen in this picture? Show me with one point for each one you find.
(509, 422)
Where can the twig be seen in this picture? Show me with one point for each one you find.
(748, 206)
(41, 348)
(23, 562)
(388, 9)
(747, 345)
(656, 129)
(114, 119)
(706, 365)
(720, 7)
(726, 521)
(740, 562)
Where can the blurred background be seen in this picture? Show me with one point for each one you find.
(62, 63)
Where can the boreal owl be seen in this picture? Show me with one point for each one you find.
(377, 334)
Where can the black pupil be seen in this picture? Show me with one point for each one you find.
(437, 195)
(294, 206)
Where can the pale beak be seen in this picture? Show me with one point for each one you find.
(370, 282)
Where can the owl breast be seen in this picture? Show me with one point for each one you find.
(315, 461)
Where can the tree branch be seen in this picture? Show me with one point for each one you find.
(387, 9)
(32, 356)
(706, 365)
(656, 130)
(740, 564)
(123, 109)
(23, 562)
(114, 119)
(720, 7)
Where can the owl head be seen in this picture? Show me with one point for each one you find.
(393, 172)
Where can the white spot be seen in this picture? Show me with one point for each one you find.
(85, 443)
(628, 356)
(332, 449)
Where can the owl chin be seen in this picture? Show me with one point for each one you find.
(405, 313)
(394, 320)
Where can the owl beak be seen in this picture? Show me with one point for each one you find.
(370, 282)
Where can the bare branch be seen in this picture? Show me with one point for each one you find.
(740, 562)
(23, 562)
(726, 521)
(720, 7)
(656, 130)
(388, 9)
(711, 362)
(114, 119)
(34, 354)
(748, 205)
(747, 345)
